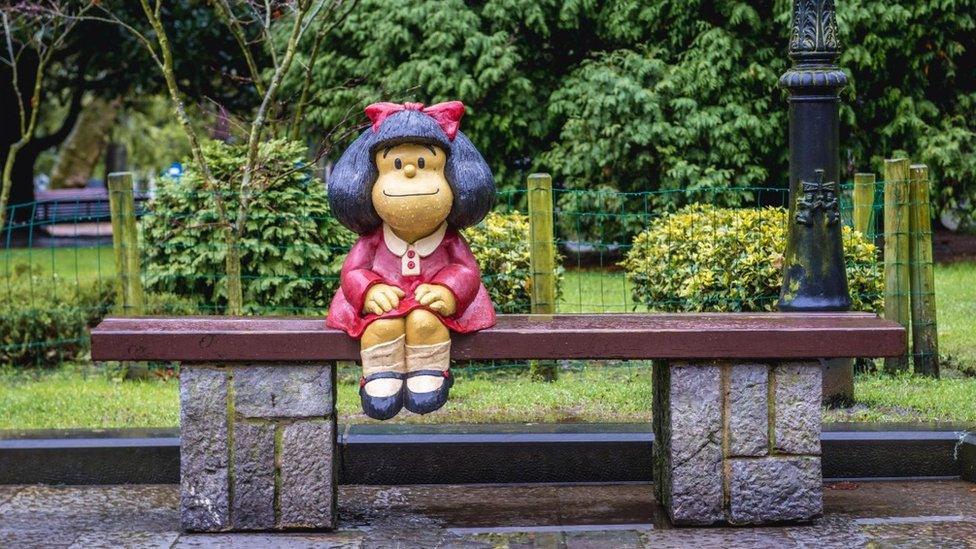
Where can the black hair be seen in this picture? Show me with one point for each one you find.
(350, 186)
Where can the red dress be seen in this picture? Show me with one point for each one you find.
(381, 257)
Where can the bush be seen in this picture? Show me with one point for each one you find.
(291, 250)
(703, 258)
(500, 243)
(44, 320)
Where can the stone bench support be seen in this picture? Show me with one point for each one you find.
(736, 405)
(258, 446)
(738, 442)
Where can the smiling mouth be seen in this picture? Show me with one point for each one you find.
(410, 194)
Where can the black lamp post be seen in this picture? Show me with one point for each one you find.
(814, 277)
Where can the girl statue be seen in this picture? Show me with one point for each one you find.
(407, 185)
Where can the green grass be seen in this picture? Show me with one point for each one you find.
(72, 397)
(955, 295)
(79, 265)
(76, 397)
(908, 398)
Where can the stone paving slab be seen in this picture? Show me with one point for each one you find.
(888, 514)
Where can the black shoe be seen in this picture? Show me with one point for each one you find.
(425, 403)
(381, 407)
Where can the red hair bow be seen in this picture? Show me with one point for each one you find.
(447, 115)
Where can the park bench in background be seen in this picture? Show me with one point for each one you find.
(736, 405)
(77, 212)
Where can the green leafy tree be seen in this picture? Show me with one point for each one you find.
(291, 247)
(649, 95)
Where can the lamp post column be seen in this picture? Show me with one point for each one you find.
(814, 275)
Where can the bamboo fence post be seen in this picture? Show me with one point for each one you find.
(863, 215)
(925, 337)
(125, 243)
(896, 252)
(542, 259)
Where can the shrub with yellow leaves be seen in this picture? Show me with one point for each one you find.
(703, 258)
(500, 243)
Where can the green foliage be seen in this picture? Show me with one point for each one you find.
(703, 258)
(597, 216)
(645, 95)
(44, 319)
(500, 243)
(291, 249)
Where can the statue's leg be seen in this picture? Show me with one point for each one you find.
(384, 365)
(428, 355)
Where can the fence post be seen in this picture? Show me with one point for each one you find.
(125, 241)
(542, 259)
(864, 203)
(896, 252)
(925, 338)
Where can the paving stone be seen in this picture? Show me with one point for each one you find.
(254, 475)
(308, 479)
(774, 489)
(204, 451)
(112, 540)
(287, 390)
(139, 508)
(694, 438)
(833, 531)
(334, 540)
(716, 538)
(748, 407)
(424, 516)
(796, 409)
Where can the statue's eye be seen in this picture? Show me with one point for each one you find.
(397, 163)
(420, 162)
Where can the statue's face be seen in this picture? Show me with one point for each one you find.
(411, 193)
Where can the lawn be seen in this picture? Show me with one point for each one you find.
(81, 397)
(79, 265)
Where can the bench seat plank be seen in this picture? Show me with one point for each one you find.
(593, 336)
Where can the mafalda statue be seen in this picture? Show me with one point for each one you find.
(407, 185)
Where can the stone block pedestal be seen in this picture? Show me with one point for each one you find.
(738, 442)
(258, 447)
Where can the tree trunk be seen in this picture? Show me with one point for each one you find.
(83, 149)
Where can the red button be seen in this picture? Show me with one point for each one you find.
(411, 253)
(411, 264)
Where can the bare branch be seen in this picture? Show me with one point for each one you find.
(224, 11)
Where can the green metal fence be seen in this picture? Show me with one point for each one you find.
(54, 285)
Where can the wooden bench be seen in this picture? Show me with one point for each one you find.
(736, 405)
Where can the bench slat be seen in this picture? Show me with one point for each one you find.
(593, 336)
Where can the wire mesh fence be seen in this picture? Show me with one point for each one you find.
(617, 252)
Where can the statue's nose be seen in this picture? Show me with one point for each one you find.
(410, 170)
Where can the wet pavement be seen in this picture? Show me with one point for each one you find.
(880, 514)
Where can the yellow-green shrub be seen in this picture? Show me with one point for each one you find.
(703, 258)
(500, 243)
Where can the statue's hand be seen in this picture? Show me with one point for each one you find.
(382, 298)
(437, 298)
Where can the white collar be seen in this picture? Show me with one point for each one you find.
(425, 246)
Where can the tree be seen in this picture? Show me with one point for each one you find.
(32, 38)
(644, 95)
(105, 61)
(250, 24)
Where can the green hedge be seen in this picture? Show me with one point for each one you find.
(703, 258)
(44, 320)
